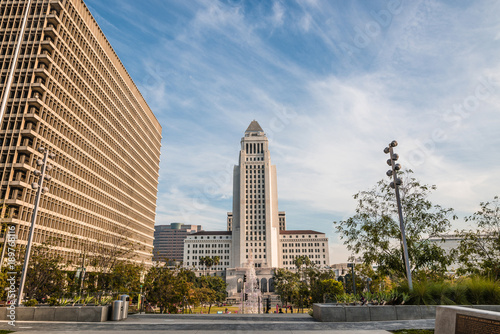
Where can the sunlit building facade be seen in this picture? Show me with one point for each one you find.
(64, 88)
(256, 230)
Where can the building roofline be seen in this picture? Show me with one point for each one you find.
(212, 233)
(300, 232)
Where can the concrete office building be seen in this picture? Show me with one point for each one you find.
(256, 230)
(169, 241)
(64, 88)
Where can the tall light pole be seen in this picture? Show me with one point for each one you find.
(45, 167)
(351, 265)
(395, 185)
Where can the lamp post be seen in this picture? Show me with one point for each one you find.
(45, 167)
(395, 185)
(351, 265)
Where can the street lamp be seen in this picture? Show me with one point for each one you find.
(395, 185)
(351, 265)
(38, 186)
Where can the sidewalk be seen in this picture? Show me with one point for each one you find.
(217, 323)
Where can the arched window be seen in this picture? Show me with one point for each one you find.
(271, 285)
(239, 284)
(263, 284)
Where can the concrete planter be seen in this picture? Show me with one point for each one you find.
(59, 313)
(341, 313)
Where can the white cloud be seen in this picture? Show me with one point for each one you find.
(278, 14)
(328, 114)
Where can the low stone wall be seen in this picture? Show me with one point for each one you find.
(341, 313)
(455, 319)
(58, 313)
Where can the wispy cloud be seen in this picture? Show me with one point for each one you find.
(331, 83)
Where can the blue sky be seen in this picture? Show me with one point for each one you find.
(331, 83)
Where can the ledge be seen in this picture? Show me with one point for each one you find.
(57, 313)
(341, 313)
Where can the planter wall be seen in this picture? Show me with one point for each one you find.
(454, 319)
(340, 313)
(59, 313)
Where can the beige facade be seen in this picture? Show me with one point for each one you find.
(256, 230)
(208, 243)
(71, 94)
(296, 243)
(255, 202)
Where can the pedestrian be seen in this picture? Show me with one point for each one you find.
(277, 308)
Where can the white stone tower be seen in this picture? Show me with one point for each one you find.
(255, 224)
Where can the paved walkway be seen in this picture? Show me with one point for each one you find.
(217, 323)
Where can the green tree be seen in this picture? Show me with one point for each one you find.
(161, 288)
(125, 278)
(212, 290)
(326, 289)
(286, 284)
(216, 260)
(373, 233)
(479, 250)
(45, 275)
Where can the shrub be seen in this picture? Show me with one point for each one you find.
(458, 293)
(53, 301)
(440, 293)
(466, 291)
(482, 291)
(31, 302)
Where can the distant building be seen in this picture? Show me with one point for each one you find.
(208, 243)
(282, 220)
(169, 241)
(256, 230)
(341, 269)
(229, 221)
(448, 242)
(310, 243)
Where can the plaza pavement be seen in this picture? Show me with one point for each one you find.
(217, 323)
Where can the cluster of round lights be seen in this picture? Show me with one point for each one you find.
(48, 167)
(391, 162)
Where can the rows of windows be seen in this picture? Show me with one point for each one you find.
(84, 107)
(212, 251)
(215, 245)
(303, 244)
(86, 44)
